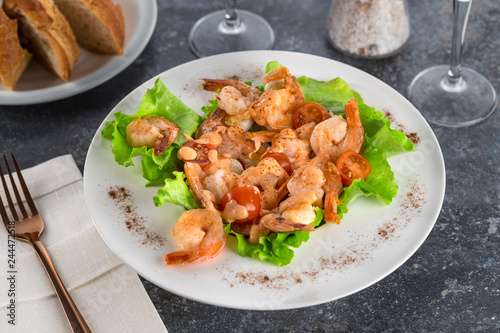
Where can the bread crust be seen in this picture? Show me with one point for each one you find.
(106, 34)
(13, 58)
(46, 33)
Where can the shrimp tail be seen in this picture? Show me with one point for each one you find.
(283, 190)
(181, 257)
(275, 75)
(261, 136)
(352, 113)
(213, 84)
(193, 256)
(276, 223)
(331, 215)
(217, 84)
(163, 143)
(258, 138)
(216, 118)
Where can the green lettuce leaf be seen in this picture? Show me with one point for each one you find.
(155, 169)
(175, 191)
(211, 107)
(272, 65)
(274, 248)
(333, 94)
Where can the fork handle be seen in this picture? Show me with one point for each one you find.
(75, 319)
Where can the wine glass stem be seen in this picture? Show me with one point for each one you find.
(232, 21)
(461, 9)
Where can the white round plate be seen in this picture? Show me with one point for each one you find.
(371, 242)
(37, 85)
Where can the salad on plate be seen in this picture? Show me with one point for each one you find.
(268, 164)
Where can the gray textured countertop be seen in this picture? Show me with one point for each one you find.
(451, 284)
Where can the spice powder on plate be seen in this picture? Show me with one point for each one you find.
(133, 221)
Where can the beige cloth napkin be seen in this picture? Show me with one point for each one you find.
(108, 293)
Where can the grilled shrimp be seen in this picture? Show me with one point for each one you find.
(320, 177)
(152, 132)
(333, 188)
(221, 177)
(229, 139)
(270, 178)
(309, 178)
(274, 108)
(336, 135)
(200, 235)
(304, 132)
(209, 185)
(288, 142)
(234, 142)
(299, 208)
(234, 97)
(194, 176)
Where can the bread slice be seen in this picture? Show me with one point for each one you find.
(13, 58)
(45, 33)
(99, 25)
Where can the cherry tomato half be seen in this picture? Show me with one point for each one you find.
(246, 196)
(352, 165)
(282, 160)
(308, 113)
(202, 150)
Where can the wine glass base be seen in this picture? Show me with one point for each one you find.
(468, 102)
(211, 36)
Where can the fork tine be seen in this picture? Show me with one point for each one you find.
(20, 203)
(3, 212)
(9, 199)
(26, 192)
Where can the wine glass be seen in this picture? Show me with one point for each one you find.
(230, 30)
(453, 95)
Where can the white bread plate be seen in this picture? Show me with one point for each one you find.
(37, 85)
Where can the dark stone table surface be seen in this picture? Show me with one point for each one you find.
(451, 284)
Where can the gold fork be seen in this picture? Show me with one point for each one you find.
(28, 228)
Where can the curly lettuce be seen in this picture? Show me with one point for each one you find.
(175, 191)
